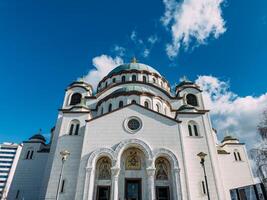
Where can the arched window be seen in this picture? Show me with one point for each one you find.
(102, 111)
(190, 130)
(133, 101)
(157, 107)
(120, 104)
(193, 129)
(74, 127)
(154, 80)
(123, 79)
(162, 169)
(237, 155)
(144, 79)
(29, 154)
(106, 84)
(110, 107)
(104, 168)
(146, 104)
(134, 78)
(75, 99)
(191, 99)
(114, 80)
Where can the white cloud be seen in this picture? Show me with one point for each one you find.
(192, 21)
(146, 53)
(102, 66)
(232, 113)
(143, 46)
(152, 39)
(119, 50)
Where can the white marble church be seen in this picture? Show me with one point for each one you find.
(134, 139)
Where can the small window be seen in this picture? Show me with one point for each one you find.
(120, 104)
(190, 130)
(28, 155)
(239, 157)
(74, 127)
(62, 186)
(144, 79)
(134, 78)
(146, 104)
(193, 129)
(102, 111)
(110, 108)
(154, 80)
(75, 99)
(123, 79)
(77, 129)
(31, 155)
(133, 101)
(106, 85)
(157, 108)
(191, 100)
(114, 80)
(235, 156)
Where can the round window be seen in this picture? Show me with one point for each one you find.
(133, 124)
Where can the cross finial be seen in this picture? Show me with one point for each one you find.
(134, 60)
(40, 130)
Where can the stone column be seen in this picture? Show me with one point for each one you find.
(115, 183)
(89, 184)
(177, 184)
(151, 183)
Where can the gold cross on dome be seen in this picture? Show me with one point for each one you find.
(134, 60)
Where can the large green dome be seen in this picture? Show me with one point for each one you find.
(133, 66)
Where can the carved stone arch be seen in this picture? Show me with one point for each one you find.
(169, 155)
(97, 154)
(133, 143)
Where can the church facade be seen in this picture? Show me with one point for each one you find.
(133, 139)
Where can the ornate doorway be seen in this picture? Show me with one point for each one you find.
(133, 189)
(103, 192)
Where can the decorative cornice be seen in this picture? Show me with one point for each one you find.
(139, 82)
(198, 112)
(89, 120)
(232, 144)
(128, 93)
(69, 110)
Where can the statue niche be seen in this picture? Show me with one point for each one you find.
(104, 169)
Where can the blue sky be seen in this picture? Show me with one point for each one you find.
(45, 45)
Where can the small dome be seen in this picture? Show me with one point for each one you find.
(38, 137)
(133, 66)
(229, 138)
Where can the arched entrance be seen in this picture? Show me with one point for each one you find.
(137, 173)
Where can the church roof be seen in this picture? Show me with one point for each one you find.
(133, 66)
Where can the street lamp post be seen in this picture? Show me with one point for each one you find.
(202, 156)
(64, 156)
